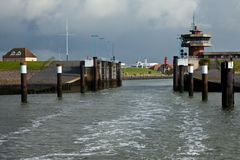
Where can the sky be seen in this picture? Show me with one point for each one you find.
(134, 29)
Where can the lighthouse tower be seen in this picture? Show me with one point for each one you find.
(196, 41)
(166, 61)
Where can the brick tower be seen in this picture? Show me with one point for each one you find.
(196, 41)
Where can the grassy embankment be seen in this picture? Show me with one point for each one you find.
(236, 66)
(15, 66)
(9, 71)
(127, 72)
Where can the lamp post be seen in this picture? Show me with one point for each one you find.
(112, 50)
(95, 36)
(100, 38)
(113, 57)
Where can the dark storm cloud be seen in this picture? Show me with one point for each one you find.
(138, 28)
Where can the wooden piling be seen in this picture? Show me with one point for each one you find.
(23, 71)
(114, 75)
(175, 74)
(82, 77)
(95, 81)
(227, 82)
(119, 76)
(181, 79)
(107, 75)
(190, 80)
(205, 81)
(59, 81)
(103, 74)
(110, 74)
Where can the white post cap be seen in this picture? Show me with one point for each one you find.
(230, 65)
(23, 69)
(204, 69)
(190, 68)
(59, 69)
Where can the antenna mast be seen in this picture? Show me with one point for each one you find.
(193, 22)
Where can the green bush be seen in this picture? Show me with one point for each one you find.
(204, 60)
(237, 66)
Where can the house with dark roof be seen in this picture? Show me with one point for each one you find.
(19, 54)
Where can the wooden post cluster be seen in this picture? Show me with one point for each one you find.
(24, 90)
(59, 81)
(204, 68)
(106, 74)
(190, 80)
(94, 75)
(175, 73)
(227, 82)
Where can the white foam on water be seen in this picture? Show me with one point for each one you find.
(193, 135)
(54, 156)
(67, 156)
(23, 130)
(2, 139)
(106, 137)
(38, 122)
(132, 144)
(124, 133)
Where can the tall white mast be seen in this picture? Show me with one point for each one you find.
(67, 34)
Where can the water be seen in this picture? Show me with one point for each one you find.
(141, 120)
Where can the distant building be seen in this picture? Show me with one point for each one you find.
(166, 67)
(19, 54)
(222, 55)
(144, 64)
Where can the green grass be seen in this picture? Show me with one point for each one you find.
(237, 66)
(139, 72)
(14, 66)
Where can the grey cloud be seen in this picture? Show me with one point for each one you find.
(139, 28)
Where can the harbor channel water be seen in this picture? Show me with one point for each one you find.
(144, 119)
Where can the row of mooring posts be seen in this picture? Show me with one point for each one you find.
(227, 80)
(102, 72)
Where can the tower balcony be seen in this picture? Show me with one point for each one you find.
(196, 44)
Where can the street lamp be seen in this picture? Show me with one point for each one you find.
(112, 50)
(95, 36)
(100, 38)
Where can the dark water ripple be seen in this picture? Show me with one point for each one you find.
(141, 120)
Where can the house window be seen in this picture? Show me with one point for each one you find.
(19, 53)
(13, 53)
